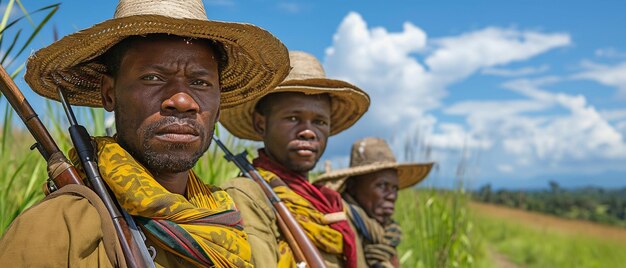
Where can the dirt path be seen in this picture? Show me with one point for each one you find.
(500, 260)
(552, 223)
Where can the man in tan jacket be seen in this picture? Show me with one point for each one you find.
(165, 70)
(370, 188)
(294, 122)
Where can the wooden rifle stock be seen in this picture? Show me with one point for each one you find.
(61, 172)
(303, 248)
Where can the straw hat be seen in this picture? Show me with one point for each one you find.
(256, 60)
(370, 155)
(348, 102)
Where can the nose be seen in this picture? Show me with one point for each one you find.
(392, 196)
(180, 102)
(307, 132)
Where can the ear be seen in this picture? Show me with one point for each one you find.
(258, 122)
(107, 91)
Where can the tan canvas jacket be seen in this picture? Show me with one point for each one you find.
(259, 222)
(69, 228)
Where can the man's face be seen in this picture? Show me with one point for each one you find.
(295, 128)
(166, 98)
(376, 193)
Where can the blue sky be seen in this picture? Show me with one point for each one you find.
(514, 93)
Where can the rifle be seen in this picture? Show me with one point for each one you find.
(305, 252)
(61, 172)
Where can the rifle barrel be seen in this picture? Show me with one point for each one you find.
(303, 248)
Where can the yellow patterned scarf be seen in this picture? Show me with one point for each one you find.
(203, 228)
(312, 221)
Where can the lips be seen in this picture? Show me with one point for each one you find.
(305, 149)
(388, 209)
(177, 133)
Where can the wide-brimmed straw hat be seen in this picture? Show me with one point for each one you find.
(256, 61)
(370, 155)
(348, 102)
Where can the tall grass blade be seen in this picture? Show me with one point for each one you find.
(5, 17)
(43, 22)
(19, 3)
(8, 51)
(7, 127)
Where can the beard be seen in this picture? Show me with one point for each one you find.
(298, 166)
(301, 168)
(172, 157)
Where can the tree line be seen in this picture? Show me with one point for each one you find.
(588, 203)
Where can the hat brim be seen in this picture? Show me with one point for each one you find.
(409, 174)
(256, 60)
(348, 104)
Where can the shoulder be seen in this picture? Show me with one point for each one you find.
(255, 208)
(68, 208)
(64, 224)
(246, 191)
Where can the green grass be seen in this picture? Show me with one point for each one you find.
(535, 247)
(437, 230)
(212, 168)
(22, 172)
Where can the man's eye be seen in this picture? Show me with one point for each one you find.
(201, 83)
(292, 118)
(151, 77)
(322, 123)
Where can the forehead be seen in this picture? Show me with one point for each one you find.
(296, 101)
(169, 49)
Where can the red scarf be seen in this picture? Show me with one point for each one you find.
(322, 198)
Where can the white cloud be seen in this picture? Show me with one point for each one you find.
(505, 168)
(610, 75)
(459, 56)
(583, 133)
(379, 62)
(454, 136)
(402, 88)
(516, 72)
(609, 52)
(523, 140)
(290, 7)
(615, 114)
(407, 75)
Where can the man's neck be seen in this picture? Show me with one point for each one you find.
(174, 182)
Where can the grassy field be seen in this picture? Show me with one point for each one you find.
(537, 240)
(438, 230)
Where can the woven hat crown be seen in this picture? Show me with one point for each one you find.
(304, 66)
(369, 151)
(188, 9)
